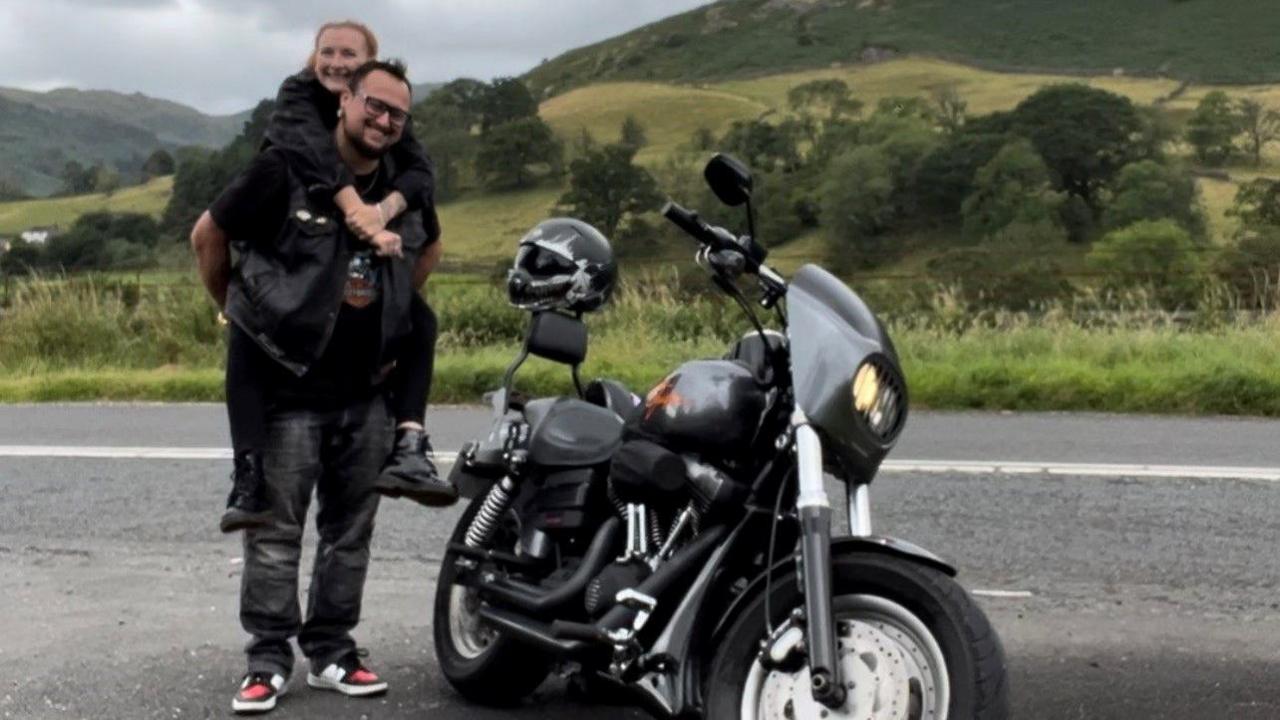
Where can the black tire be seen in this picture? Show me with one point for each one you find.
(506, 671)
(970, 646)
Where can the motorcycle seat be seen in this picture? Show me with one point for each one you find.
(613, 395)
(568, 432)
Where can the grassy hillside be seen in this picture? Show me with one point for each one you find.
(669, 113)
(1224, 41)
(171, 122)
(20, 215)
(481, 229)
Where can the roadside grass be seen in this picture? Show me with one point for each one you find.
(19, 215)
(78, 340)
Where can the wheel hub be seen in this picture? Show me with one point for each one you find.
(471, 634)
(872, 668)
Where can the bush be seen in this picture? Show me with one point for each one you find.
(1156, 254)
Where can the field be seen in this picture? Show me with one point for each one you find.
(20, 215)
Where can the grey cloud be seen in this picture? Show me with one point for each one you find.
(224, 55)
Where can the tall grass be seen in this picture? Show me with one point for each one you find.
(109, 339)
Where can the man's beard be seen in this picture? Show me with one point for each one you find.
(363, 148)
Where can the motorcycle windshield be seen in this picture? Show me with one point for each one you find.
(831, 332)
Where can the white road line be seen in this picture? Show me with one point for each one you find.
(137, 453)
(999, 467)
(1005, 594)
(936, 467)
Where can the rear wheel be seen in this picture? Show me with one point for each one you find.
(911, 642)
(478, 661)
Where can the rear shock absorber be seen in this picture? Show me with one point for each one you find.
(486, 520)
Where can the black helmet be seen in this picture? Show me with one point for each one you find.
(562, 264)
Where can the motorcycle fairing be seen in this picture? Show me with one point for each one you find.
(831, 331)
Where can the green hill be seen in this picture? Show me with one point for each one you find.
(172, 123)
(35, 144)
(1204, 41)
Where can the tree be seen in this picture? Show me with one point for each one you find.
(1148, 190)
(856, 198)
(605, 188)
(1212, 128)
(201, 175)
(948, 107)
(506, 100)
(946, 174)
(903, 106)
(76, 179)
(158, 164)
(1251, 268)
(1154, 253)
(1085, 136)
(633, 134)
(1013, 188)
(761, 145)
(444, 125)
(1257, 205)
(1260, 127)
(103, 241)
(105, 180)
(508, 151)
(833, 95)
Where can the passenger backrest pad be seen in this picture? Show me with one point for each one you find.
(557, 337)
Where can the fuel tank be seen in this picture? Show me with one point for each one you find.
(711, 408)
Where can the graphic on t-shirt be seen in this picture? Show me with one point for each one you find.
(362, 281)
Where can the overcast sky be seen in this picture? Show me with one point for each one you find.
(222, 56)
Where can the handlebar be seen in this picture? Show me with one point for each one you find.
(717, 240)
(688, 221)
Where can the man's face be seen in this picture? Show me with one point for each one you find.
(373, 117)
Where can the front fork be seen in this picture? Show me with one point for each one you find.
(814, 510)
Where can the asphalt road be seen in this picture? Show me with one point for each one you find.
(1149, 597)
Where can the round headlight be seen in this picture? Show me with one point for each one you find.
(877, 397)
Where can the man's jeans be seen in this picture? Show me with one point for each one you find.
(337, 453)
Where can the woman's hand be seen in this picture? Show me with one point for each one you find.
(366, 221)
(386, 244)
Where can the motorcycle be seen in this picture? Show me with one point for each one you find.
(680, 548)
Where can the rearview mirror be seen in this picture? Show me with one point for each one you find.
(729, 179)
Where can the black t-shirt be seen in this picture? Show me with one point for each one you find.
(252, 211)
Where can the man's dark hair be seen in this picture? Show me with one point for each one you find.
(393, 67)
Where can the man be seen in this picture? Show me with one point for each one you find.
(319, 313)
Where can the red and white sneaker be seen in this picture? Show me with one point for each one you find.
(258, 692)
(348, 676)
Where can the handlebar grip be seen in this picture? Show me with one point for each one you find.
(687, 220)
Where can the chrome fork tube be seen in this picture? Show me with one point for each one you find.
(814, 510)
(859, 499)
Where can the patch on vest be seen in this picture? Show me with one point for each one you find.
(362, 281)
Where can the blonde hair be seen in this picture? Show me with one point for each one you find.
(370, 40)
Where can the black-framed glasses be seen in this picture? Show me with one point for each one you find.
(376, 108)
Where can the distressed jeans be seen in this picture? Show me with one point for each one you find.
(336, 453)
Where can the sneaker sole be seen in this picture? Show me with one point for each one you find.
(254, 707)
(233, 522)
(428, 497)
(319, 683)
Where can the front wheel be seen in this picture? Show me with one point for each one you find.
(912, 643)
